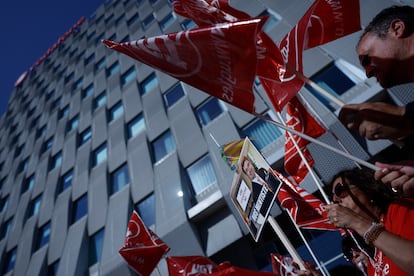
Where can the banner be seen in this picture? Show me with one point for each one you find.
(219, 60)
(142, 249)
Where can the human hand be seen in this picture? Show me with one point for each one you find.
(341, 216)
(376, 120)
(398, 175)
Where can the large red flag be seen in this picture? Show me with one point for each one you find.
(220, 59)
(142, 249)
(192, 265)
(306, 210)
(301, 120)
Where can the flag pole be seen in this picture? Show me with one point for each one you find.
(313, 140)
(288, 245)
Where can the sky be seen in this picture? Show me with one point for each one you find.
(28, 29)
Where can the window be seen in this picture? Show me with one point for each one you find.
(78, 84)
(163, 145)
(120, 19)
(89, 59)
(133, 19)
(100, 100)
(100, 64)
(66, 181)
(208, 111)
(149, 83)
(167, 21)
(264, 133)
(85, 136)
(87, 91)
(147, 21)
(80, 208)
(136, 126)
(116, 111)
(119, 178)
(90, 36)
(337, 78)
(47, 144)
(188, 24)
(99, 155)
(173, 95)
(146, 210)
(69, 78)
(10, 260)
(109, 18)
(112, 69)
(23, 166)
(5, 228)
(28, 183)
(128, 76)
(52, 269)
(95, 247)
(4, 202)
(34, 207)
(73, 123)
(56, 161)
(272, 21)
(201, 174)
(63, 112)
(18, 151)
(55, 104)
(41, 132)
(43, 236)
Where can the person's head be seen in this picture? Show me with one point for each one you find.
(383, 48)
(248, 168)
(358, 190)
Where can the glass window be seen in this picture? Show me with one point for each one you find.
(136, 126)
(109, 18)
(163, 145)
(5, 229)
(41, 132)
(272, 21)
(85, 136)
(47, 144)
(4, 202)
(78, 84)
(120, 19)
(28, 183)
(10, 260)
(133, 19)
(23, 166)
(43, 236)
(149, 83)
(128, 76)
(208, 111)
(167, 21)
(87, 91)
(56, 161)
(119, 178)
(112, 69)
(116, 111)
(95, 247)
(52, 269)
(188, 24)
(146, 210)
(100, 64)
(147, 21)
(201, 174)
(173, 95)
(90, 59)
(80, 208)
(69, 78)
(100, 100)
(18, 151)
(63, 112)
(264, 133)
(66, 181)
(73, 123)
(34, 207)
(100, 155)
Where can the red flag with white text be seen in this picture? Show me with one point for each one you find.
(298, 118)
(142, 249)
(219, 60)
(306, 210)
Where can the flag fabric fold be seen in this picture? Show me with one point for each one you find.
(219, 60)
(230, 152)
(142, 249)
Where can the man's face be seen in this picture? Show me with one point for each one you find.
(249, 169)
(378, 56)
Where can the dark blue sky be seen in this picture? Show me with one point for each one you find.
(28, 28)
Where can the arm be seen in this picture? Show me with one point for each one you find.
(399, 175)
(377, 120)
(399, 250)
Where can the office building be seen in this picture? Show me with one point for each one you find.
(91, 134)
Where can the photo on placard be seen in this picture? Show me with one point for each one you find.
(254, 188)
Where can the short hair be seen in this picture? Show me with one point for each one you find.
(381, 22)
(363, 178)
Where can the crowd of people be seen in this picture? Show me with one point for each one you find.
(378, 206)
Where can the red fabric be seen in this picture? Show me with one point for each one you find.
(398, 220)
(306, 210)
(300, 120)
(142, 249)
(190, 265)
(220, 60)
(285, 266)
(237, 271)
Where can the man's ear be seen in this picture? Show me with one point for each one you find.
(398, 28)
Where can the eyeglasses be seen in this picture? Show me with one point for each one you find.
(341, 190)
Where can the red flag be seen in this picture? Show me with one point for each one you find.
(306, 210)
(142, 249)
(285, 266)
(192, 265)
(220, 60)
(299, 119)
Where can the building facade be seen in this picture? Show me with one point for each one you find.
(90, 135)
